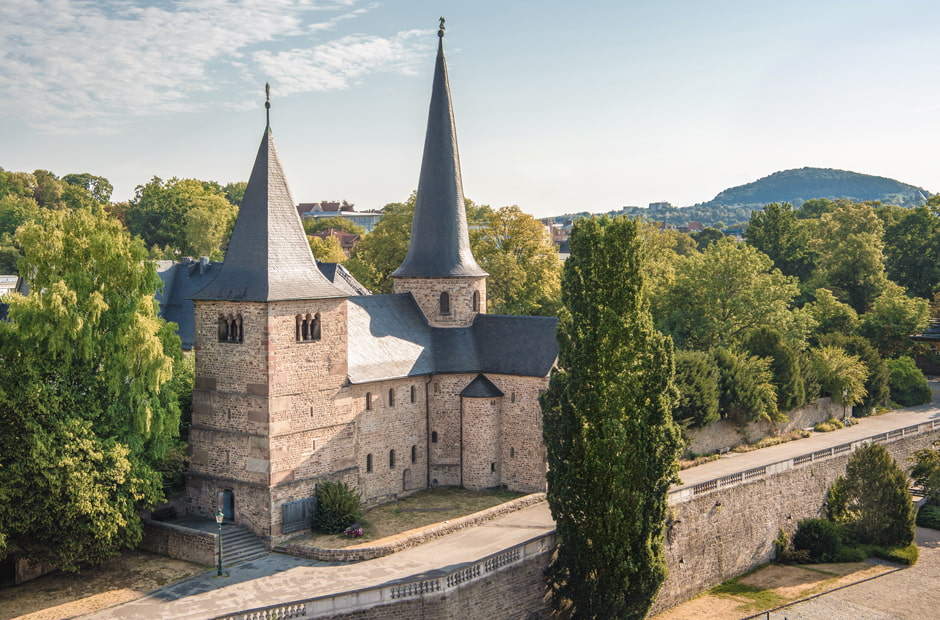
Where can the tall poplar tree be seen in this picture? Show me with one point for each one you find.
(612, 444)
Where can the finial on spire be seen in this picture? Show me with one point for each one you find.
(440, 31)
(267, 103)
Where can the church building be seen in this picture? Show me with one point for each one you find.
(300, 381)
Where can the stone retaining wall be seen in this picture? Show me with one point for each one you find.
(509, 584)
(410, 538)
(179, 542)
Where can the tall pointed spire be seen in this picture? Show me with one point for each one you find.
(440, 242)
(268, 257)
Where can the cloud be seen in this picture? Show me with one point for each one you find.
(338, 64)
(81, 65)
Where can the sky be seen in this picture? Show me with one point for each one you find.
(560, 107)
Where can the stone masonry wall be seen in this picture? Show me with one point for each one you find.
(427, 293)
(179, 542)
(722, 534)
(481, 442)
(522, 462)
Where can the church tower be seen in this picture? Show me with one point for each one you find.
(270, 348)
(439, 269)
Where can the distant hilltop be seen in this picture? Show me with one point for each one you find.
(798, 186)
(734, 205)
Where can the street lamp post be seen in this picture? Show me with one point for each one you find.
(219, 515)
(845, 397)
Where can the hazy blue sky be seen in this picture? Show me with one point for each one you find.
(560, 106)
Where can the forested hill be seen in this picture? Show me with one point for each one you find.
(798, 186)
(734, 206)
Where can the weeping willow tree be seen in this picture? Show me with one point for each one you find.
(612, 444)
(87, 413)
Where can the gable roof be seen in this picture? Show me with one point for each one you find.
(389, 338)
(440, 243)
(268, 257)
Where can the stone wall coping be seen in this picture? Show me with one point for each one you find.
(687, 493)
(182, 529)
(439, 585)
(411, 538)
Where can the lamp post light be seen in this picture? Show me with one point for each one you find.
(845, 397)
(219, 516)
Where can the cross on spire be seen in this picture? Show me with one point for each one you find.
(267, 104)
(441, 30)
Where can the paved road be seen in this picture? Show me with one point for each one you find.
(280, 579)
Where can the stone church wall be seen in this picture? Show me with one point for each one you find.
(427, 293)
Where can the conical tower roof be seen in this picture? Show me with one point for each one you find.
(440, 243)
(268, 257)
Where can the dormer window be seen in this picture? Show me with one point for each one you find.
(445, 303)
(308, 327)
(230, 328)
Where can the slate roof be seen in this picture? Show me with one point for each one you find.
(268, 257)
(481, 387)
(440, 243)
(389, 338)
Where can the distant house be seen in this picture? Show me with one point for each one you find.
(347, 241)
(8, 284)
(365, 219)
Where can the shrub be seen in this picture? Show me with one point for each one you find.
(907, 383)
(876, 386)
(906, 554)
(338, 507)
(747, 393)
(929, 516)
(820, 538)
(829, 425)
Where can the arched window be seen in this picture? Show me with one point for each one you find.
(476, 301)
(368, 401)
(308, 327)
(230, 328)
(512, 452)
(414, 453)
(391, 459)
(391, 397)
(368, 463)
(445, 303)
(434, 437)
(412, 394)
(315, 327)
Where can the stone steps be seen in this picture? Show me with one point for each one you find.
(239, 545)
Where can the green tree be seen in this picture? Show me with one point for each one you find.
(189, 217)
(383, 250)
(525, 272)
(893, 318)
(611, 442)
(707, 237)
(815, 208)
(851, 262)
(912, 244)
(840, 375)
(873, 498)
(876, 385)
(697, 381)
(86, 414)
(337, 222)
(831, 315)
(721, 294)
(747, 393)
(326, 250)
(777, 232)
(235, 192)
(98, 188)
(769, 343)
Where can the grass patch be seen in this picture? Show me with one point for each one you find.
(756, 598)
(425, 507)
(697, 459)
(901, 555)
(929, 516)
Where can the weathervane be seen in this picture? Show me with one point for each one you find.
(267, 102)
(440, 32)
